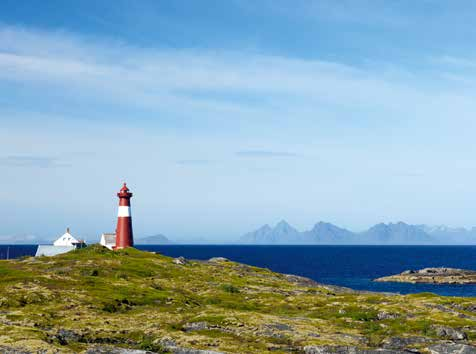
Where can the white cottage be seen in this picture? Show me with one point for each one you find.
(108, 240)
(63, 244)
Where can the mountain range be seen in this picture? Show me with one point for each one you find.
(398, 233)
(322, 233)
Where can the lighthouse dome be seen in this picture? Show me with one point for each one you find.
(66, 239)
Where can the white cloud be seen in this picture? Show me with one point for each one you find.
(191, 78)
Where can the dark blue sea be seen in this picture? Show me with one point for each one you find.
(350, 266)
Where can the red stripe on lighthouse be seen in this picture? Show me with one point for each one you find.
(124, 237)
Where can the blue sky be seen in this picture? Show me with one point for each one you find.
(225, 115)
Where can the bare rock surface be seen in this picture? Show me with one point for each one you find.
(218, 259)
(433, 276)
(180, 260)
(327, 349)
(404, 343)
(450, 333)
(442, 348)
(196, 326)
(452, 348)
(9, 350)
(115, 350)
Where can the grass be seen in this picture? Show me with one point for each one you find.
(135, 299)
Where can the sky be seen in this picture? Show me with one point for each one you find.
(225, 115)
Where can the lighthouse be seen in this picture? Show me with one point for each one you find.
(124, 236)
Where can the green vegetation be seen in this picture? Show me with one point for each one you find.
(141, 300)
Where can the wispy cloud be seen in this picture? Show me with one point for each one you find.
(265, 153)
(32, 161)
(191, 79)
(464, 63)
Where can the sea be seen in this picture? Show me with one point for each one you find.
(350, 266)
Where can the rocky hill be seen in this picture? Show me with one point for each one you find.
(97, 301)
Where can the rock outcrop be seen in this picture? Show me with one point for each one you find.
(452, 348)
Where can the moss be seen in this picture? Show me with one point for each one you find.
(229, 288)
(359, 313)
(423, 295)
(148, 343)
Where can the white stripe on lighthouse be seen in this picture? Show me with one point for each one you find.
(124, 211)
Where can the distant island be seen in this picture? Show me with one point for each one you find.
(398, 233)
(153, 240)
(433, 276)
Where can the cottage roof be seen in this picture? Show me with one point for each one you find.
(66, 239)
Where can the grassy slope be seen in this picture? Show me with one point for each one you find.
(133, 298)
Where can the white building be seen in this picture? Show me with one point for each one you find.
(63, 244)
(108, 240)
(66, 240)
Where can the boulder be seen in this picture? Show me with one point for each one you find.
(195, 326)
(450, 333)
(180, 261)
(279, 326)
(218, 259)
(65, 336)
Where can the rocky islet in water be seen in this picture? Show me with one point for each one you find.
(433, 276)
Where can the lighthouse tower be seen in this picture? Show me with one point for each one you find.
(124, 236)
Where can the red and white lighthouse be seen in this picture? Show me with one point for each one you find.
(124, 236)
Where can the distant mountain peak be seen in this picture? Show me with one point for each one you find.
(265, 227)
(282, 232)
(322, 224)
(327, 233)
(396, 233)
(283, 226)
